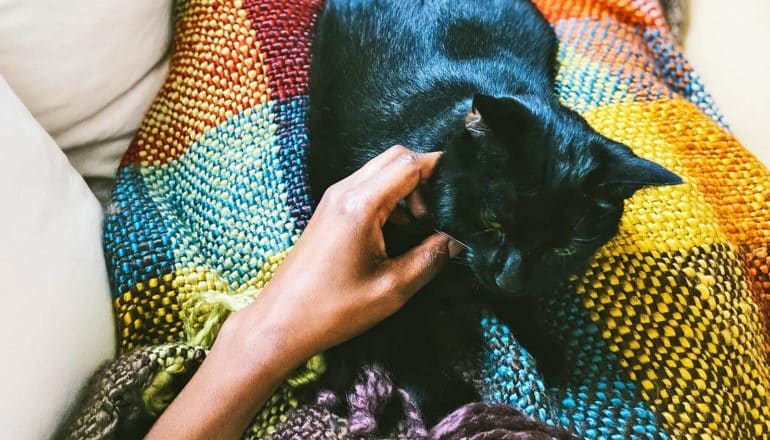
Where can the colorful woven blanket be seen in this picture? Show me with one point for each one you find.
(666, 332)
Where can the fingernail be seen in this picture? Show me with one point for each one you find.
(454, 248)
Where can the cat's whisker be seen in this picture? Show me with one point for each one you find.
(455, 240)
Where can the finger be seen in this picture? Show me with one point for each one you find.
(399, 178)
(422, 263)
(416, 204)
(379, 162)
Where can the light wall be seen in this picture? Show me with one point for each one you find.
(728, 42)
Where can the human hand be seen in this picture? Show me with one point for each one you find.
(338, 280)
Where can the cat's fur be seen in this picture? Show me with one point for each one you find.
(524, 181)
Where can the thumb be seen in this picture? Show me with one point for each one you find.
(422, 263)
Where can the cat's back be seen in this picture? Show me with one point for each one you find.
(370, 52)
(375, 31)
(383, 70)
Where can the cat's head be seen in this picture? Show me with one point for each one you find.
(534, 191)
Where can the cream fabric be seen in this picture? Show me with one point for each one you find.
(57, 322)
(87, 70)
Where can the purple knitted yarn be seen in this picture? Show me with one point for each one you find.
(326, 399)
(370, 398)
(375, 390)
(414, 423)
(482, 421)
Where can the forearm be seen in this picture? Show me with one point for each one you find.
(242, 370)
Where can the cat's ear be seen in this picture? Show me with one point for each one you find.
(494, 114)
(622, 172)
(475, 124)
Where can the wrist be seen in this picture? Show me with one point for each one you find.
(242, 370)
(257, 346)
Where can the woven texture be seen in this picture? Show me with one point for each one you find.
(666, 331)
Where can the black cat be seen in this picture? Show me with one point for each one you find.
(524, 181)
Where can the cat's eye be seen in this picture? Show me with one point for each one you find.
(490, 220)
(564, 251)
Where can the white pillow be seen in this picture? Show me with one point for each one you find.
(87, 70)
(57, 323)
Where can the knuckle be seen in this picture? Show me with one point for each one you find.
(434, 257)
(347, 201)
(409, 157)
(333, 194)
(354, 203)
(387, 285)
(402, 154)
(398, 149)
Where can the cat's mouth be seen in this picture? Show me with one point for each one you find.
(500, 271)
(489, 282)
(496, 279)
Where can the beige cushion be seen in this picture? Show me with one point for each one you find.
(87, 70)
(57, 322)
(727, 42)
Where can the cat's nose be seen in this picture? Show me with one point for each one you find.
(509, 278)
